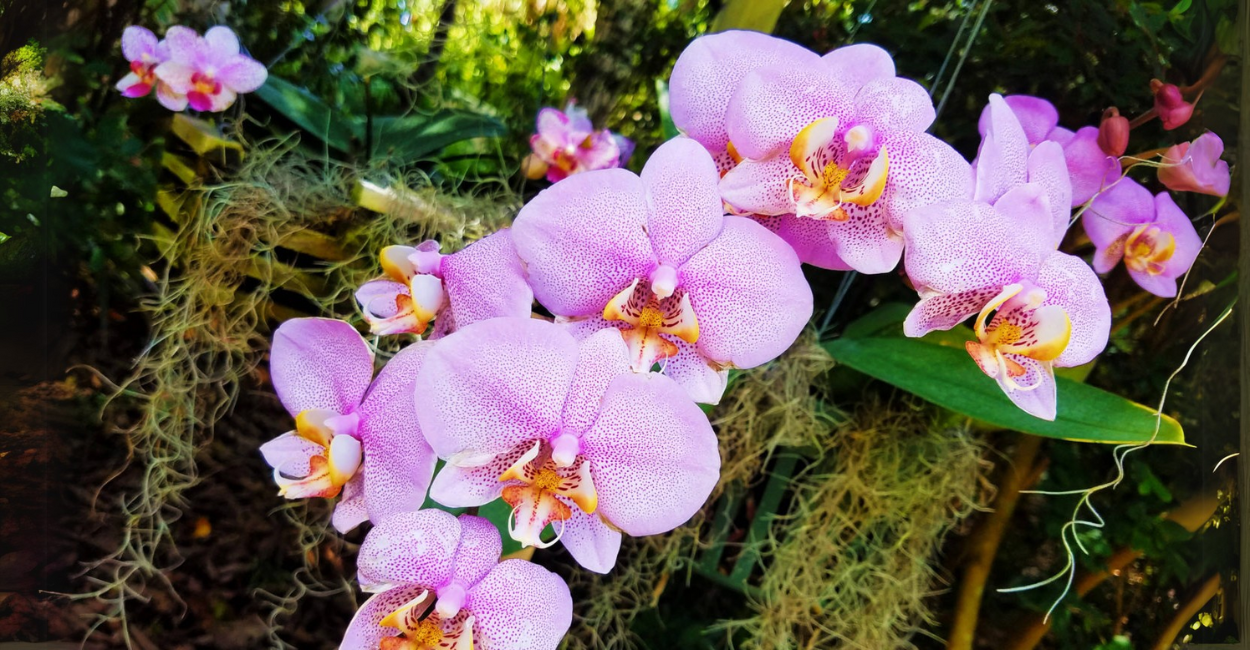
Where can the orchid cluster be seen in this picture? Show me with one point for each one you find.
(587, 424)
(567, 143)
(205, 72)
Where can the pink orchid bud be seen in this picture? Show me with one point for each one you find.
(1113, 132)
(1171, 106)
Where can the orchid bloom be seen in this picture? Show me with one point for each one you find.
(354, 440)
(1157, 242)
(1091, 167)
(656, 257)
(144, 53)
(1170, 104)
(439, 585)
(995, 257)
(419, 285)
(1196, 167)
(567, 143)
(208, 71)
(566, 434)
(828, 152)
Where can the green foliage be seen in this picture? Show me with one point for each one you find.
(23, 101)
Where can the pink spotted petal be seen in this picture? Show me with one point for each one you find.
(1003, 157)
(479, 549)
(959, 246)
(350, 511)
(176, 75)
(710, 69)
(1040, 401)
(469, 487)
(1048, 169)
(865, 240)
(943, 311)
(320, 363)
(486, 280)
(600, 357)
(772, 105)
(1071, 284)
(218, 102)
(290, 454)
(493, 385)
(591, 542)
(653, 455)
(137, 42)
(409, 548)
(704, 382)
(686, 210)
(1089, 167)
(1112, 216)
(1037, 117)
(894, 105)
(923, 170)
(377, 298)
(170, 99)
(365, 631)
(760, 187)
(398, 463)
(1027, 207)
(520, 606)
(181, 43)
(749, 294)
(584, 239)
(222, 43)
(808, 237)
(856, 65)
(244, 75)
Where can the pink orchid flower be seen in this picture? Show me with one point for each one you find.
(1091, 167)
(484, 280)
(566, 434)
(439, 585)
(1157, 242)
(995, 257)
(209, 71)
(144, 52)
(1196, 167)
(828, 152)
(656, 257)
(354, 440)
(567, 143)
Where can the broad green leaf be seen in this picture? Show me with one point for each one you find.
(666, 117)
(308, 111)
(758, 15)
(410, 138)
(946, 376)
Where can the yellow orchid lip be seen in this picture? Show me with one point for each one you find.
(1148, 248)
(832, 171)
(1021, 325)
(334, 465)
(535, 482)
(649, 316)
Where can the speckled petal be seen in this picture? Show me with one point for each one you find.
(1040, 401)
(493, 385)
(960, 246)
(653, 455)
(856, 65)
(520, 606)
(591, 542)
(290, 454)
(138, 41)
(350, 511)
(319, 363)
(894, 105)
(945, 310)
(808, 237)
(244, 75)
(923, 170)
(600, 357)
(772, 105)
(479, 549)
(1027, 208)
(1037, 117)
(686, 210)
(689, 368)
(409, 548)
(485, 280)
(1071, 284)
(1048, 168)
(584, 239)
(365, 631)
(1003, 157)
(865, 240)
(470, 487)
(760, 187)
(710, 69)
(749, 293)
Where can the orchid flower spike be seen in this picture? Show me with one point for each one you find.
(1090, 153)
(208, 72)
(995, 257)
(566, 434)
(1196, 167)
(354, 440)
(567, 143)
(419, 285)
(1157, 242)
(828, 152)
(439, 585)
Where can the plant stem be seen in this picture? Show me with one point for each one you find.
(983, 546)
(1206, 592)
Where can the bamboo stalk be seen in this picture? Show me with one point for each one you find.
(1206, 592)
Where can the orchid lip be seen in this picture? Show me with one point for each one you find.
(539, 491)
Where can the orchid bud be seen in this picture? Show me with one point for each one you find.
(1171, 106)
(1113, 132)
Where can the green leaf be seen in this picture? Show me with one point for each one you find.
(413, 137)
(498, 512)
(666, 117)
(308, 111)
(944, 375)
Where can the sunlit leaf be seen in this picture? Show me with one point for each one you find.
(308, 111)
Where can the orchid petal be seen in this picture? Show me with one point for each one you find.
(959, 246)
(290, 454)
(365, 632)
(600, 357)
(137, 42)
(748, 290)
(222, 42)
(1048, 168)
(865, 241)
(470, 487)
(1089, 167)
(520, 606)
(854, 66)
(1071, 284)
(1034, 391)
(410, 548)
(686, 210)
(493, 385)
(486, 280)
(1027, 207)
(170, 99)
(1003, 157)
(584, 239)
(653, 455)
(181, 43)
(760, 187)
(592, 543)
(350, 511)
(319, 363)
(923, 170)
(1112, 216)
(809, 238)
(894, 105)
(1037, 117)
(772, 105)
(945, 310)
(704, 382)
(243, 75)
(479, 549)
(176, 75)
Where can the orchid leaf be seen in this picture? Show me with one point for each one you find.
(307, 111)
(413, 137)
